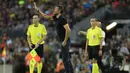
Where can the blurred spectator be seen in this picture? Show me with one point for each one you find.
(13, 15)
(124, 49)
(60, 67)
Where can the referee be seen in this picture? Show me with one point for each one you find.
(104, 34)
(94, 42)
(63, 31)
(36, 34)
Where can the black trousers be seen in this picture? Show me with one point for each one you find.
(66, 57)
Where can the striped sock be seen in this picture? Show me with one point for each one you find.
(39, 67)
(31, 68)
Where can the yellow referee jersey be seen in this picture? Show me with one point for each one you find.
(36, 33)
(94, 36)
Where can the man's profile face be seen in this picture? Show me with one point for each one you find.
(56, 10)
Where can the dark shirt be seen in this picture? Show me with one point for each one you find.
(60, 22)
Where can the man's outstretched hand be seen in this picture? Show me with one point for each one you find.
(35, 6)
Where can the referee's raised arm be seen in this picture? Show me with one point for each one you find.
(42, 14)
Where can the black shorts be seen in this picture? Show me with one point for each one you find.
(39, 50)
(93, 52)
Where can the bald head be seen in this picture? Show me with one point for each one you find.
(98, 23)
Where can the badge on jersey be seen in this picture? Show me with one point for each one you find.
(38, 35)
(94, 36)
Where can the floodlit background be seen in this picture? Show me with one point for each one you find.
(15, 17)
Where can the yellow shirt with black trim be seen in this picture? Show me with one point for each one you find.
(94, 35)
(36, 33)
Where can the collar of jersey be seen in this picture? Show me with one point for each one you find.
(94, 28)
(34, 24)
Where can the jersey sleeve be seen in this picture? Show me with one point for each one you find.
(28, 31)
(100, 33)
(44, 32)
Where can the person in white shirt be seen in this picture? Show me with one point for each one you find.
(99, 25)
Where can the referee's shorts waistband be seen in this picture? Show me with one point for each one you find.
(39, 44)
(93, 45)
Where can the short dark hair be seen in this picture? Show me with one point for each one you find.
(61, 8)
(94, 18)
(35, 14)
